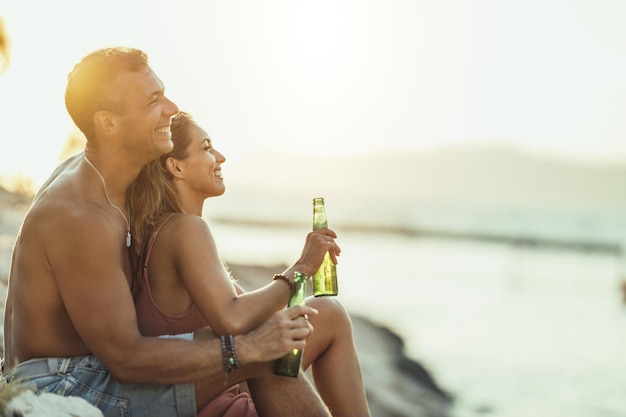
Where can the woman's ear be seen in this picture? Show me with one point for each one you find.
(175, 167)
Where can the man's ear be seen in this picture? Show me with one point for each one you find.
(105, 121)
(175, 167)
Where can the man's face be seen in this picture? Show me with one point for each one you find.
(146, 120)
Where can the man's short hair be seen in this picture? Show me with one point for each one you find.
(91, 84)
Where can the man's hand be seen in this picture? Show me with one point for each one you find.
(284, 331)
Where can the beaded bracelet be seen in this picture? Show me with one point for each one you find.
(225, 359)
(284, 278)
(232, 361)
(229, 356)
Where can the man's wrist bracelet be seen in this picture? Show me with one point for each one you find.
(229, 356)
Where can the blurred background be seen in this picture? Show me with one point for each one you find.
(471, 154)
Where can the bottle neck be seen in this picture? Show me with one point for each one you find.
(298, 294)
(319, 217)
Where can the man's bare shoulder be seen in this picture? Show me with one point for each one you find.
(65, 206)
(67, 167)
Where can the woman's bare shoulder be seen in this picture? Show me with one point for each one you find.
(184, 224)
(183, 235)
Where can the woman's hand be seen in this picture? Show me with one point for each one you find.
(316, 245)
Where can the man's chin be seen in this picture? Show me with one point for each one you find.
(166, 147)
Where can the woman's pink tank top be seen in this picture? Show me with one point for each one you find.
(151, 319)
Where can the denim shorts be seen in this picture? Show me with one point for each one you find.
(86, 377)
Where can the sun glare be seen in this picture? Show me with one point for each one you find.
(333, 77)
(319, 39)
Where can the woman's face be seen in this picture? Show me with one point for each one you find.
(202, 167)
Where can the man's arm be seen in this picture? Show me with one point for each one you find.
(88, 259)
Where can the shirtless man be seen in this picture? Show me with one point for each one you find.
(70, 323)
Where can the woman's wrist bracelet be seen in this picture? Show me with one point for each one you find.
(284, 278)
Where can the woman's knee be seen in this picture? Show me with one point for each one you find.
(330, 311)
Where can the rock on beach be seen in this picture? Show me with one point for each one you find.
(396, 385)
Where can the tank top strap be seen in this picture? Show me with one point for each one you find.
(153, 237)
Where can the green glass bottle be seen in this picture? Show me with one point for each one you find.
(325, 279)
(289, 365)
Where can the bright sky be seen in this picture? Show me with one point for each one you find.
(336, 76)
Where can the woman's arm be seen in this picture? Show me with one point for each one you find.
(198, 265)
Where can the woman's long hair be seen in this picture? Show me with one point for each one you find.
(152, 195)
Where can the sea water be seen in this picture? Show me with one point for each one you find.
(508, 330)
